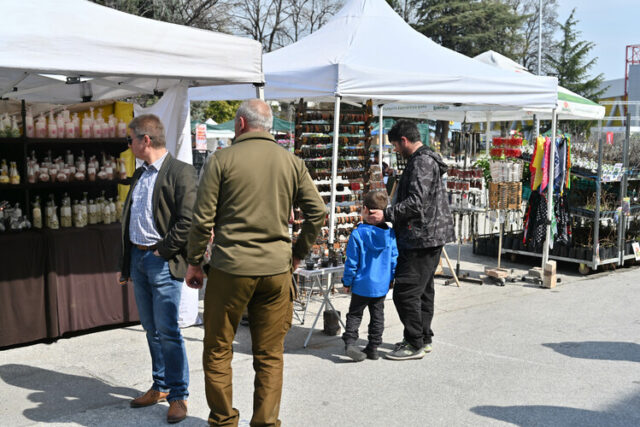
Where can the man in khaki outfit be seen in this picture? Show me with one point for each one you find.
(245, 195)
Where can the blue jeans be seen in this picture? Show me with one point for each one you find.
(158, 298)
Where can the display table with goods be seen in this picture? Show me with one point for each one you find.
(596, 212)
(61, 201)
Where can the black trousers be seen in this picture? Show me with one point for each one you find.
(414, 294)
(354, 318)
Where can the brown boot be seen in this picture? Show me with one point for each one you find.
(151, 397)
(177, 411)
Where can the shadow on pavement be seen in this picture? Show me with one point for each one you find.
(598, 350)
(544, 415)
(61, 396)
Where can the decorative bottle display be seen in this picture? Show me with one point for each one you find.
(4, 172)
(52, 214)
(29, 125)
(55, 166)
(65, 212)
(14, 177)
(92, 213)
(119, 206)
(36, 213)
(52, 127)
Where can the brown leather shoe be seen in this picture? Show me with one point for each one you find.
(177, 411)
(151, 397)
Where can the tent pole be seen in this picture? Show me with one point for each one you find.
(259, 90)
(380, 137)
(550, 187)
(488, 134)
(334, 170)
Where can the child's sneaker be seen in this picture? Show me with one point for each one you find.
(405, 351)
(427, 348)
(354, 353)
(371, 352)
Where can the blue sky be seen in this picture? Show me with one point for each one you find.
(611, 25)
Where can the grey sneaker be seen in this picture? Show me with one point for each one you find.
(405, 351)
(427, 348)
(354, 353)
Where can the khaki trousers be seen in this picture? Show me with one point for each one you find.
(270, 303)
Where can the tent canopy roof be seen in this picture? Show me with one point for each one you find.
(44, 43)
(337, 60)
(569, 106)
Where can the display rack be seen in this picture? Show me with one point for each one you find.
(314, 144)
(593, 220)
(19, 149)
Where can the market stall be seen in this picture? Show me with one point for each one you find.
(48, 55)
(569, 106)
(334, 64)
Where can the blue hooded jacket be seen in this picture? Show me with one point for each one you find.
(372, 255)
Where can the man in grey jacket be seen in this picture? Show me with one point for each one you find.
(423, 224)
(155, 222)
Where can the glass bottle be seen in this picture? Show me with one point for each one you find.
(4, 172)
(92, 212)
(65, 212)
(119, 207)
(112, 210)
(14, 177)
(83, 211)
(29, 127)
(36, 213)
(75, 213)
(106, 212)
(52, 214)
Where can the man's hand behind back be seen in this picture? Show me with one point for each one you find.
(194, 276)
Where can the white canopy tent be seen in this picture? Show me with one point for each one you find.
(336, 63)
(73, 50)
(69, 51)
(338, 60)
(569, 106)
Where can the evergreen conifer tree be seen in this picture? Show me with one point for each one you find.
(571, 62)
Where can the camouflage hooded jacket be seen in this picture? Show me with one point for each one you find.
(420, 214)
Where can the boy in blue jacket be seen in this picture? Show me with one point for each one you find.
(372, 255)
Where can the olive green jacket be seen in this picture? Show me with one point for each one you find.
(245, 195)
(173, 198)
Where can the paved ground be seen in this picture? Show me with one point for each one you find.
(513, 355)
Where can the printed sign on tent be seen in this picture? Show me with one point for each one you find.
(201, 137)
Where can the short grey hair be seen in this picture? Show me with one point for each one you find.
(257, 113)
(149, 124)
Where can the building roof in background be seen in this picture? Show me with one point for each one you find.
(613, 88)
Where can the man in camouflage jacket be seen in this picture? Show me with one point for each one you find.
(423, 224)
